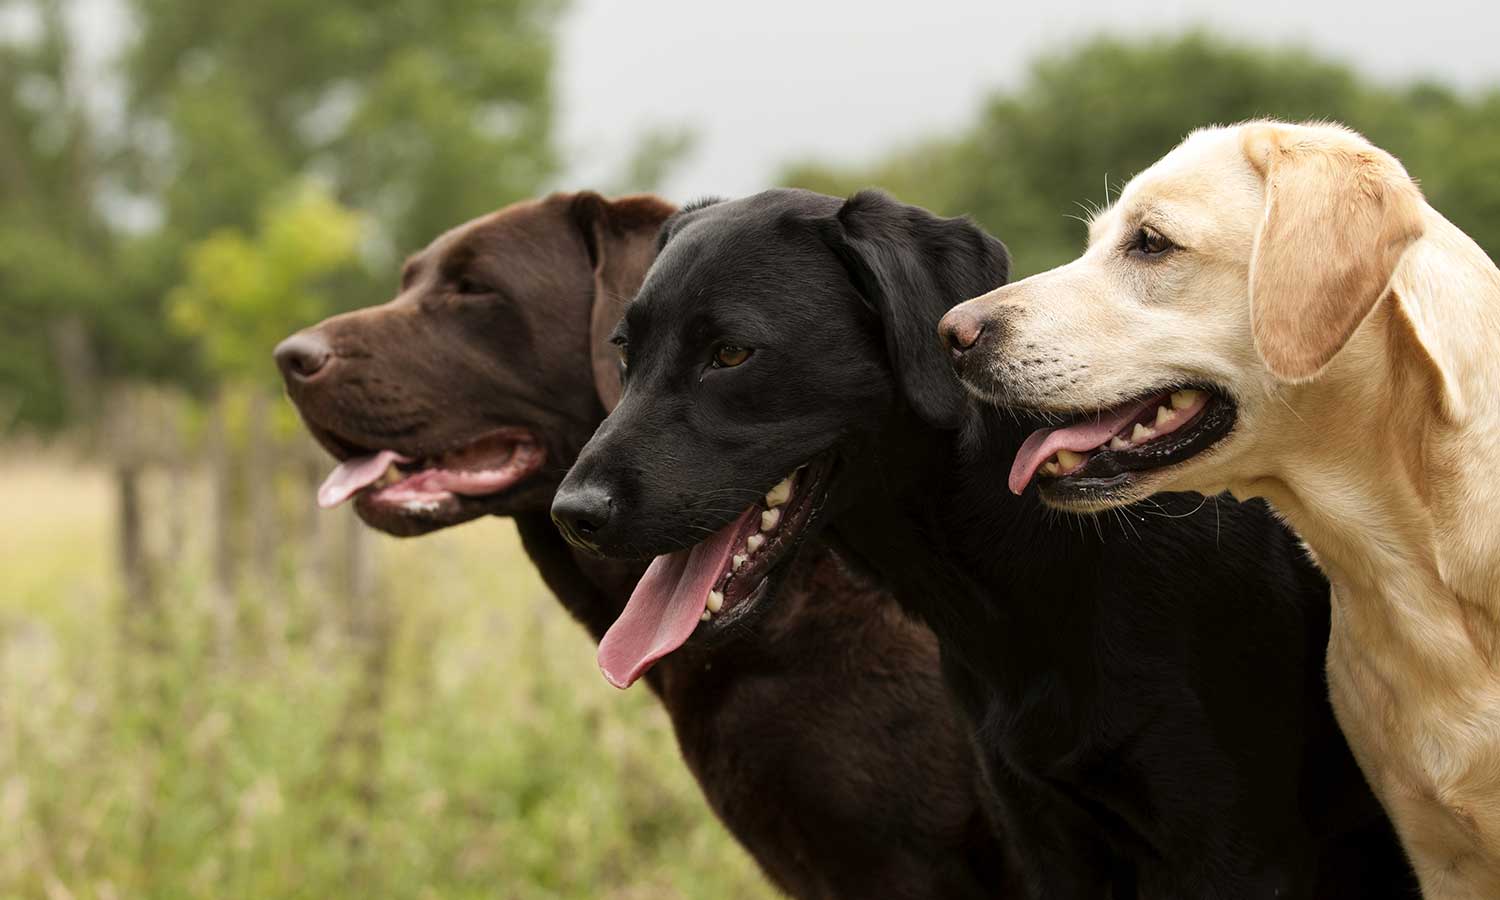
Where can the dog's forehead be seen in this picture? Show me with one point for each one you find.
(1192, 190)
(525, 250)
(714, 264)
(441, 250)
(523, 225)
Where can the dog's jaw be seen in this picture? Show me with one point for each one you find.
(725, 582)
(1085, 487)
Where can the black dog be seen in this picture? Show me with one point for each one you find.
(471, 393)
(1149, 704)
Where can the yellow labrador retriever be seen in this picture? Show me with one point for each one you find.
(1274, 309)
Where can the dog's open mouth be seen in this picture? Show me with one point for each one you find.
(493, 463)
(715, 583)
(1103, 450)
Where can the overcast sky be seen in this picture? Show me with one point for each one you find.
(769, 81)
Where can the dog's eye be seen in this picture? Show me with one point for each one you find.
(1147, 241)
(727, 356)
(623, 350)
(467, 285)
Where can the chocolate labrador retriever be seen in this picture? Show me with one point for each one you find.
(822, 738)
(1149, 705)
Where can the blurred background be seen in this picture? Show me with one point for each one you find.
(210, 689)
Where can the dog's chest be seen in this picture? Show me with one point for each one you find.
(1421, 708)
(1048, 734)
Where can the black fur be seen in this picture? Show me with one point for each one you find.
(1146, 691)
(823, 739)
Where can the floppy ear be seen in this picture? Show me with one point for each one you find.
(1339, 214)
(912, 267)
(620, 236)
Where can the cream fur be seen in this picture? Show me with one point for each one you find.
(1360, 336)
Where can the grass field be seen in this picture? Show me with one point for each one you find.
(462, 746)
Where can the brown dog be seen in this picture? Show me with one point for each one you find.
(824, 739)
(1275, 310)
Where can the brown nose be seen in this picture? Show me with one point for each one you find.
(961, 329)
(302, 356)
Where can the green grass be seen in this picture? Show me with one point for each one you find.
(462, 746)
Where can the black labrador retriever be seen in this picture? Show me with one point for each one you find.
(1147, 694)
(823, 739)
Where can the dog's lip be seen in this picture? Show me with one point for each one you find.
(744, 590)
(437, 484)
(343, 446)
(1107, 471)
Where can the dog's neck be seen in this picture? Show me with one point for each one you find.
(1386, 461)
(931, 519)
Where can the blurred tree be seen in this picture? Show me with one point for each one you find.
(243, 293)
(1041, 157)
(418, 115)
(51, 240)
(421, 113)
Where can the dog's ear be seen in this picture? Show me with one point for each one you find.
(1339, 213)
(620, 236)
(681, 217)
(911, 267)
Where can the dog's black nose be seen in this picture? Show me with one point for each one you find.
(581, 513)
(961, 329)
(302, 355)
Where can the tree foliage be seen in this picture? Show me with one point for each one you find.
(243, 293)
(416, 113)
(424, 113)
(1040, 157)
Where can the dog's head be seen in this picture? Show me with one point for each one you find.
(472, 391)
(1239, 264)
(769, 343)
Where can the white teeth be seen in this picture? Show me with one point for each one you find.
(1068, 460)
(1185, 398)
(780, 493)
(706, 616)
(739, 560)
(769, 519)
(754, 542)
(1142, 433)
(1050, 467)
(1117, 443)
(1163, 416)
(715, 601)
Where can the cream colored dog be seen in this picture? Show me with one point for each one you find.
(1274, 310)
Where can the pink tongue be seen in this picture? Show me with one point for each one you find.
(667, 604)
(1080, 438)
(353, 475)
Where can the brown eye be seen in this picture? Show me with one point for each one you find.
(727, 357)
(624, 356)
(468, 285)
(1148, 241)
